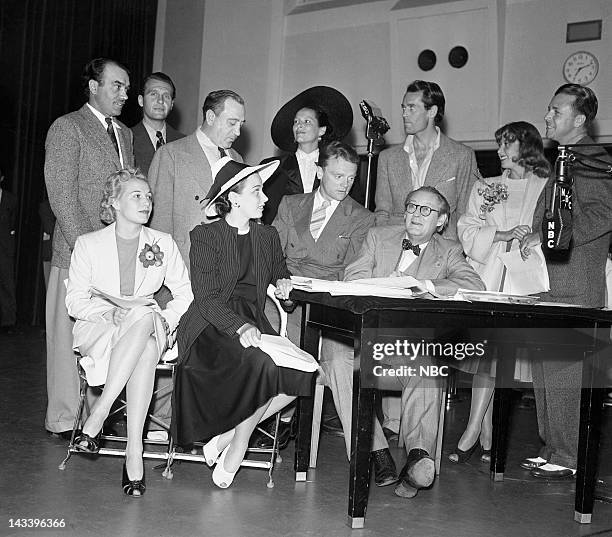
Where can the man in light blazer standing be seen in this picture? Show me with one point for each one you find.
(156, 99)
(427, 158)
(180, 174)
(418, 249)
(81, 150)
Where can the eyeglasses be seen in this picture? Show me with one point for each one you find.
(423, 209)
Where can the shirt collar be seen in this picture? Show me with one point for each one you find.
(153, 132)
(423, 245)
(204, 139)
(312, 156)
(409, 143)
(319, 199)
(102, 118)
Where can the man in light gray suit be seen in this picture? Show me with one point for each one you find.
(415, 249)
(321, 233)
(180, 173)
(82, 149)
(427, 158)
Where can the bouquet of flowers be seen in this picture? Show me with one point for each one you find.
(492, 194)
(150, 255)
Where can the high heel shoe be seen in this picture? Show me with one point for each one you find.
(485, 456)
(220, 476)
(87, 444)
(463, 456)
(211, 451)
(134, 487)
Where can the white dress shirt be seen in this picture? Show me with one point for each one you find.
(420, 172)
(307, 163)
(210, 149)
(153, 133)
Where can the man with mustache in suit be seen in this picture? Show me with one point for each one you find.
(82, 149)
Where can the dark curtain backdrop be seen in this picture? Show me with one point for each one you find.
(44, 45)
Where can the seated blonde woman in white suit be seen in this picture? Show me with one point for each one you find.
(121, 347)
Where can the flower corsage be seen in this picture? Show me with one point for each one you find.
(492, 194)
(150, 255)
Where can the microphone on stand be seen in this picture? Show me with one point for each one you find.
(376, 126)
(557, 224)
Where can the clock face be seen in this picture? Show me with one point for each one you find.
(580, 68)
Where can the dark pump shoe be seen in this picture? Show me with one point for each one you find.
(385, 472)
(419, 472)
(532, 463)
(553, 471)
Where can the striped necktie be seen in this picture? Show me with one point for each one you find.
(160, 140)
(111, 132)
(222, 152)
(318, 217)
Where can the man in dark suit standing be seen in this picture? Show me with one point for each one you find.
(82, 149)
(8, 223)
(156, 99)
(577, 276)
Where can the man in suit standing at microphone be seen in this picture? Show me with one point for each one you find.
(156, 99)
(577, 276)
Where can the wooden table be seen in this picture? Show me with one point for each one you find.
(505, 326)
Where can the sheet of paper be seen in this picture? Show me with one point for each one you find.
(125, 302)
(286, 354)
(402, 287)
(525, 277)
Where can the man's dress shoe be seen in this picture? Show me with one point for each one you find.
(419, 472)
(390, 435)
(532, 462)
(261, 440)
(332, 426)
(385, 472)
(553, 471)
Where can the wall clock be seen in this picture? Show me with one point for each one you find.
(580, 68)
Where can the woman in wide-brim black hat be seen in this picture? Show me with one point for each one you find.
(313, 118)
(225, 384)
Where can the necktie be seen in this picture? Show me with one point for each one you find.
(160, 140)
(111, 132)
(222, 152)
(318, 217)
(407, 245)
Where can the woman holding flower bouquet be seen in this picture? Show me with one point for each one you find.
(124, 264)
(499, 215)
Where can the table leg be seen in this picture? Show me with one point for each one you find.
(361, 440)
(591, 404)
(501, 411)
(310, 343)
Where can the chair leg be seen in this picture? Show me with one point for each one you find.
(317, 411)
(440, 437)
(274, 456)
(77, 418)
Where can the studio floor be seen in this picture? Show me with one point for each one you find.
(87, 495)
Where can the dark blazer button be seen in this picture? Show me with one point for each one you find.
(197, 198)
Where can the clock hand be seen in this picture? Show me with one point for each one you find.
(583, 67)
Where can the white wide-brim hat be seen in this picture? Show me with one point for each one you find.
(228, 173)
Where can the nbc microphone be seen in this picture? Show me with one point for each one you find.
(557, 224)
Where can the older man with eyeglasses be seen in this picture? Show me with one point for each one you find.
(416, 249)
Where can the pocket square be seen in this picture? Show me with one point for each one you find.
(346, 237)
(449, 180)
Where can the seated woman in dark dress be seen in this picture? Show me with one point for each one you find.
(226, 385)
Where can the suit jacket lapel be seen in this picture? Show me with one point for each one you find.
(94, 131)
(292, 168)
(428, 264)
(439, 167)
(302, 221)
(108, 248)
(194, 149)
